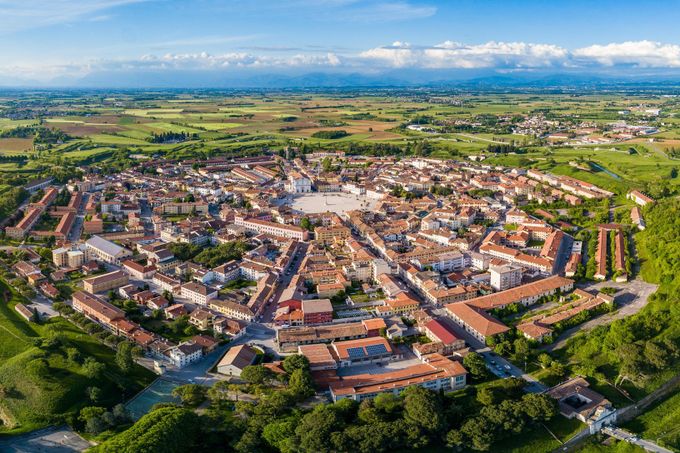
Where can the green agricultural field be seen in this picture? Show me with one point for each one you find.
(154, 112)
(6, 124)
(215, 126)
(372, 119)
(170, 127)
(107, 139)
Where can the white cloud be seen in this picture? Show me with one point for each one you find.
(520, 55)
(499, 56)
(206, 61)
(16, 15)
(398, 55)
(647, 54)
(201, 61)
(451, 54)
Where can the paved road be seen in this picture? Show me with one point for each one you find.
(53, 440)
(270, 309)
(631, 298)
(626, 436)
(498, 365)
(77, 228)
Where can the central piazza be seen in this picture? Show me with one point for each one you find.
(340, 202)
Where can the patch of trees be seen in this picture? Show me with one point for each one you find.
(184, 251)
(214, 256)
(422, 148)
(63, 198)
(172, 137)
(10, 201)
(330, 135)
(96, 419)
(442, 191)
(13, 158)
(331, 123)
(306, 224)
(481, 193)
(423, 119)
(360, 116)
(400, 192)
(19, 132)
(174, 329)
(40, 134)
(167, 429)
(45, 136)
(498, 148)
(418, 417)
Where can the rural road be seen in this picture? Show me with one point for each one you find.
(481, 139)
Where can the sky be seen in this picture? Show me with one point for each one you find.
(56, 42)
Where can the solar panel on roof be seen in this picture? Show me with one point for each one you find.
(376, 349)
(355, 353)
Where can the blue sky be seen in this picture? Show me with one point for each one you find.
(46, 40)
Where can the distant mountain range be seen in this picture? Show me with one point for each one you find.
(394, 78)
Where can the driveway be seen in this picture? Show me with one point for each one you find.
(44, 305)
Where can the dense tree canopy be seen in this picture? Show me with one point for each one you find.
(165, 430)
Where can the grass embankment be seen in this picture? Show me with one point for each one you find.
(538, 439)
(41, 383)
(660, 424)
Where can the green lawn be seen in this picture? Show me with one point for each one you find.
(538, 439)
(41, 385)
(609, 446)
